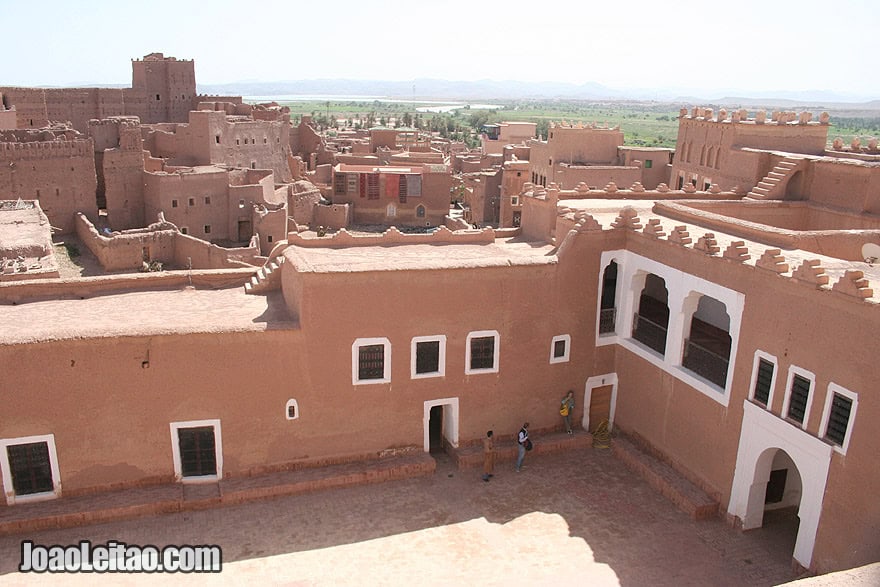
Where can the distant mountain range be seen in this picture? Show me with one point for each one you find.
(434, 89)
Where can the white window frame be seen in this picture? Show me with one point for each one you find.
(355, 360)
(441, 372)
(759, 354)
(218, 451)
(6, 469)
(514, 200)
(680, 286)
(826, 414)
(291, 402)
(792, 371)
(467, 354)
(565, 357)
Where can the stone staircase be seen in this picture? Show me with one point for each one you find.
(685, 495)
(267, 278)
(772, 186)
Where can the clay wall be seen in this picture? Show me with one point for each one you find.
(169, 86)
(514, 175)
(389, 207)
(30, 106)
(773, 321)
(845, 184)
(119, 161)
(449, 302)
(59, 173)
(333, 216)
(192, 200)
(8, 118)
(596, 176)
(121, 251)
(194, 252)
(653, 162)
(301, 201)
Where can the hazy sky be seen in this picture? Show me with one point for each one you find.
(685, 45)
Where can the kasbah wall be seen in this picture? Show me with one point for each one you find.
(60, 173)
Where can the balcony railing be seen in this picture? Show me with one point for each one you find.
(705, 363)
(607, 319)
(649, 333)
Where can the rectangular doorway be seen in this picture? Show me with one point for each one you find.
(245, 230)
(440, 424)
(600, 406)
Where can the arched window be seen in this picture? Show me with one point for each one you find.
(651, 321)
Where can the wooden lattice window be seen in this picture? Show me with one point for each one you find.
(483, 352)
(30, 468)
(797, 402)
(838, 419)
(763, 381)
(198, 455)
(371, 361)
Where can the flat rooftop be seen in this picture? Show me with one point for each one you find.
(401, 257)
(144, 313)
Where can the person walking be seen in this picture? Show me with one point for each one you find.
(522, 439)
(565, 410)
(488, 456)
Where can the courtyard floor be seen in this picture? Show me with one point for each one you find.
(575, 518)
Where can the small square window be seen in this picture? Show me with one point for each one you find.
(269, 238)
(648, 164)
(291, 410)
(207, 229)
(184, 230)
(207, 200)
(514, 200)
(174, 203)
(237, 141)
(559, 348)
(192, 201)
(217, 139)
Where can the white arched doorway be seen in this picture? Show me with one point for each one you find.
(762, 437)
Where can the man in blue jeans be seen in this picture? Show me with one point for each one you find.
(521, 440)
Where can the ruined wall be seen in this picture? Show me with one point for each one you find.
(127, 251)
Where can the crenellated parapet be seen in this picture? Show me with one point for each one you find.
(812, 273)
(393, 236)
(55, 149)
(741, 116)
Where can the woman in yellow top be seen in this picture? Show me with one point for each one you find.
(566, 408)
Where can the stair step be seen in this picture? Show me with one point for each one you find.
(670, 483)
(760, 190)
(776, 175)
(248, 287)
(767, 184)
(788, 164)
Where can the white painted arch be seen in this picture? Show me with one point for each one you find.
(761, 436)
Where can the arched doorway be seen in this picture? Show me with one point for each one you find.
(767, 444)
